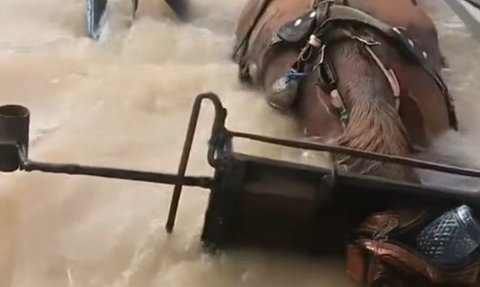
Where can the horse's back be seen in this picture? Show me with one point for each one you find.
(407, 14)
(402, 13)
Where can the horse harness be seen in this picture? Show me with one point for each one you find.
(321, 26)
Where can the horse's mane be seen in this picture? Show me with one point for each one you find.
(374, 123)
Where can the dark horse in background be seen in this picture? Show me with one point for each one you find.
(179, 7)
(95, 9)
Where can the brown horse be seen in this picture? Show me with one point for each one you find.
(364, 74)
(368, 77)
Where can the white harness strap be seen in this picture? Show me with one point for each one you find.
(390, 75)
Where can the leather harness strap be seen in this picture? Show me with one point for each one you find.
(389, 75)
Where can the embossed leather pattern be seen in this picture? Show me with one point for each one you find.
(370, 261)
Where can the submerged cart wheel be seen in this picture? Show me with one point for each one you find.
(94, 11)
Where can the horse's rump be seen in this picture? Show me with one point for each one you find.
(273, 14)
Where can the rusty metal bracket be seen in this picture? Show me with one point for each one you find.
(218, 129)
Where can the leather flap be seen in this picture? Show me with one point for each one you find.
(298, 29)
(407, 218)
(357, 263)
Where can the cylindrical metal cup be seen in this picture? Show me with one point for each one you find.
(14, 134)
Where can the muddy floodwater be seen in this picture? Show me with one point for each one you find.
(124, 101)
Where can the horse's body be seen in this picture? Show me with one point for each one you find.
(379, 90)
(375, 124)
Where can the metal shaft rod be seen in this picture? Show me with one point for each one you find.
(153, 177)
(351, 183)
(361, 154)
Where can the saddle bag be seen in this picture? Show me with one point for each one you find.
(382, 253)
